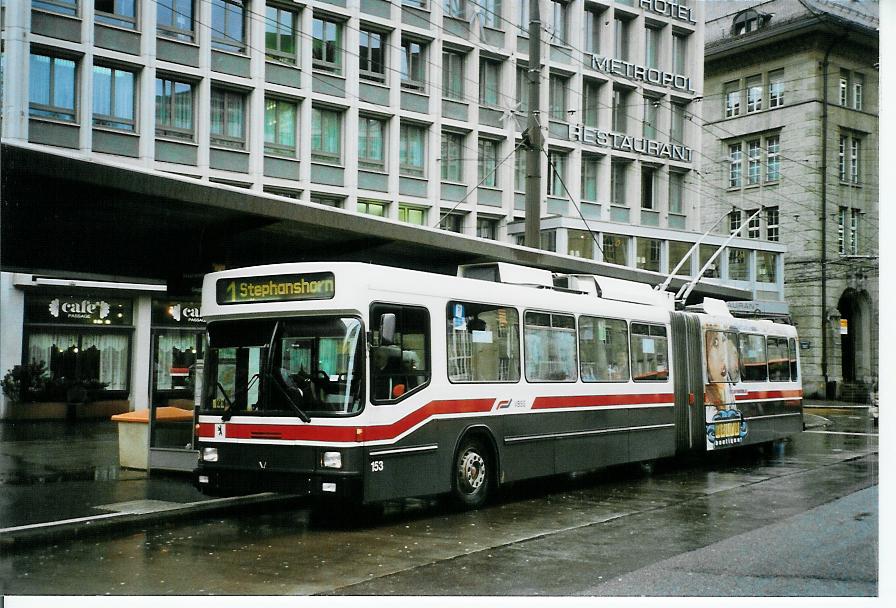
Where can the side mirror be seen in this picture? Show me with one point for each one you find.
(387, 329)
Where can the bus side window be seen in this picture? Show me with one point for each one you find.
(603, 345)
(778, 360)
(753, 359)
(649, 352)
(397, 369)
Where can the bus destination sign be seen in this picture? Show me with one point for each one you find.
(278, 288)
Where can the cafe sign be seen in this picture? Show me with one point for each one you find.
(79, 310)
(175, 313)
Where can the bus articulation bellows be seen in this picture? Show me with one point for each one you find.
(372, 383)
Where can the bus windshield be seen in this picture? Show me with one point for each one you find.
(299, 366)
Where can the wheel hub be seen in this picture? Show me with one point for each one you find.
(472, 470)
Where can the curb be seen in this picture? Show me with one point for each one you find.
(106, 522)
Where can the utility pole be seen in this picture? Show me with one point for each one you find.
(532, 136)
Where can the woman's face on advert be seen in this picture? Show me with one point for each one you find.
(717, 356)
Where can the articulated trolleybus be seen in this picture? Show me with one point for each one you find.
(370, 382)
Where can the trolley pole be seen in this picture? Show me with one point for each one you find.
(532, 136)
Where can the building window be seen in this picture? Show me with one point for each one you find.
(519, 170)
(580, 244)
(706, 253)
(676, 129)
(854, 160)
(113, 98)
(280, 35)
(557, 173)
(841, 230)
(754, 93)
(844, 88)
(651, 47)
(547, 240)
(371, 143)
(558, 105)
(648, 186)
(412, 215)
(326, 135)
(590, 103)
(557, 21)
(456, 9)
(62, 7)
(772, 224)
(522, 88)
(841, 157)
(735, 169)
(732, 99)
(372, 56)
(592, 31)
(280, 127)
(174, 108)
(489, 12)
(648, 254)
(326, 45)
(858, 86)
(174, 19)
(754, 225)
(122, 13)
(679, 53)
(617, 183)
(452, 222)
(678, 251)
(738, 268)
(452, 157)
(620, 110)
(854, 231)
(488, 162)
(734, 221)
(753, 162)
(489, 82)
(522, 18)
(620, 38)
(51, 87)
(772, 158)
(453, 75)
(413, 66)
(228, 119)
(747, 21)
(229, 25)
(676, 192)
(651, 105)
(328, 200)
(766, 267)
(374, 208)
(590, 164)
(487, 228)
(776, 89)
(412, 150)
(615, 249)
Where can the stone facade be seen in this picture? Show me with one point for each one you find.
(791, 123)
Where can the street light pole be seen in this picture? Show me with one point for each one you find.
(532, 136)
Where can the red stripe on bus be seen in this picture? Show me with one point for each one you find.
(751, 395)
(344, 434)
(600, 400)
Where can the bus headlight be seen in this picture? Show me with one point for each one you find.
(210, 454)
(331, 460)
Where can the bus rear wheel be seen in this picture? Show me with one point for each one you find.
(473, 474)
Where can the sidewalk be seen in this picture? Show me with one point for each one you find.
(61, 479)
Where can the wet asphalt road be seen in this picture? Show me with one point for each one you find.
(799, 521)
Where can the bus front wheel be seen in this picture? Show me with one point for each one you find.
(473, 474)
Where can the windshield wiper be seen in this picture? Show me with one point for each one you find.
(228, 411)
(286, 384)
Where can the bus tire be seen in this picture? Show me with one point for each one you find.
(473, 474)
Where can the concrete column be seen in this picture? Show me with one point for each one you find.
(84, 100)
(141, 353)
(146, 120)
(16, 61)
